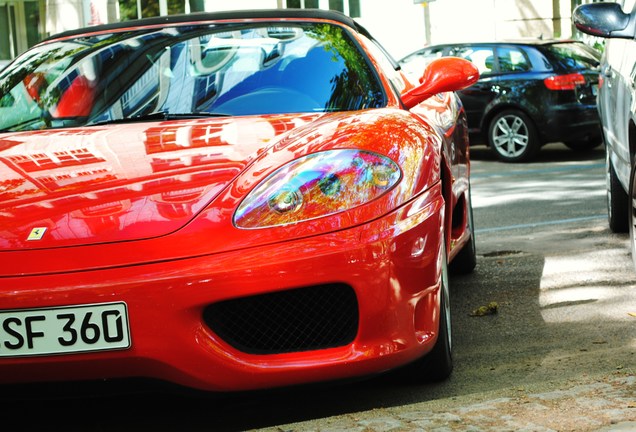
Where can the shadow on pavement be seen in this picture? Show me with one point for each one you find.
(553, 152)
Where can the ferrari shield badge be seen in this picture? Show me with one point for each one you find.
(37, 233)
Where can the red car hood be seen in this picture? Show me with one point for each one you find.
(121, 182)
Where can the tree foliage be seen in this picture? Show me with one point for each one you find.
(149, 8)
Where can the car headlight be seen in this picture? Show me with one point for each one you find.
(317, 185)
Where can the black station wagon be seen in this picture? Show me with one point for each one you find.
(529, 94)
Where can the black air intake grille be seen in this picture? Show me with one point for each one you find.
(303, 319)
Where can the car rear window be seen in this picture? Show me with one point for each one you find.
(573, 56)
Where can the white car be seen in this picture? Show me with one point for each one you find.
(617, 105)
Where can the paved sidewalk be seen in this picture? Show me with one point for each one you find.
(599, 404)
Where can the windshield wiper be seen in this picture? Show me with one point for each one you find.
(160, 115)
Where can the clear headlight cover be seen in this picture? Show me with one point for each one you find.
(317, 185)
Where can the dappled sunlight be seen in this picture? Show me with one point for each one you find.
(588, 286)
(566, 190)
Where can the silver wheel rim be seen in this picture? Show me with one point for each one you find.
(510, 136)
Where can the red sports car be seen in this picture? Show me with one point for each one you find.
(229, 201)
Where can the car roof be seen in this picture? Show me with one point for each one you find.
(274, 14)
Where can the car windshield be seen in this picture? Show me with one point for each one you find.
(195, 70)
(574, 56)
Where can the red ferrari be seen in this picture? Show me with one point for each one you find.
(229, 201)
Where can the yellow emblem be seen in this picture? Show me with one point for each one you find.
(37, 233)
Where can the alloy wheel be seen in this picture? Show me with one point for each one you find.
(510, 136)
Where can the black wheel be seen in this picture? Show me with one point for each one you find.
(632, 213)
(617, 200)
(466, 260)
(437, 365)
(513, 136)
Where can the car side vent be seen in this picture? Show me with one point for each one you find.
(303, 319)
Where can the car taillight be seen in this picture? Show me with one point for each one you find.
(564, 82)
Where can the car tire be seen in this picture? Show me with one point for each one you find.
(437, 365)
(513, 136)
(632, 213)
(617, 200)
(466, 260)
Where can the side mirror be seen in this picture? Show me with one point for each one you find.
(604, 19)
(442, 75)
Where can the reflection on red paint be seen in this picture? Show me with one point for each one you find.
(124, 182)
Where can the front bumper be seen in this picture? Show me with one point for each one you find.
(391, 265)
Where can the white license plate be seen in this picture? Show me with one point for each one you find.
(594, 89)
(62, 330)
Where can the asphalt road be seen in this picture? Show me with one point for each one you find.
(559, 354)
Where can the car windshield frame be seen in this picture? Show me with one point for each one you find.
(231, 68)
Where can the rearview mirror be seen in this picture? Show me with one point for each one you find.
(604, 19)
(442, 75)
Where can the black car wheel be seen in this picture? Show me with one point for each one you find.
(632, 213)
(513, 137)
(617, 200)
(437, 365)
(439, 362)
(466, 260)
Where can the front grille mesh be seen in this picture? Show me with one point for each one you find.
(303, 319)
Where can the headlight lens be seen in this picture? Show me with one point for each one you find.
(317, 185)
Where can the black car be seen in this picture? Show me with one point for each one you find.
(530, 93)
